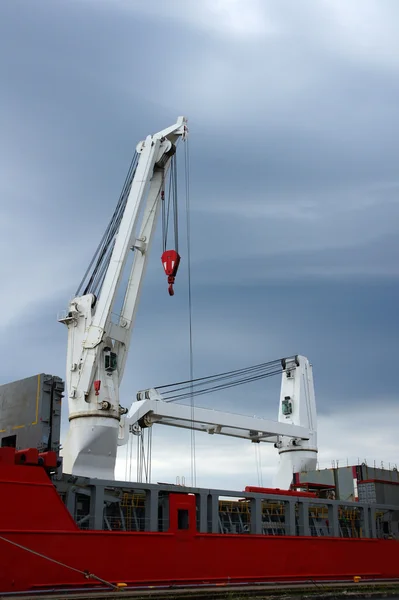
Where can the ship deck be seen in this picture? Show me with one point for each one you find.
(271, 591)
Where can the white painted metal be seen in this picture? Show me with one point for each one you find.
(96, 419)
(91, 444)
(297, 395)
(295, 433)
(153, 409)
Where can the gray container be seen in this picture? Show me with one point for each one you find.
(30, 413)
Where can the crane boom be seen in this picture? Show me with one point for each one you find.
(154, 409)
(97, 345)
(294, 434)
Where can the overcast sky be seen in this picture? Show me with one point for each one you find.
(293, 109)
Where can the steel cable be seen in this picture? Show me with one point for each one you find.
(86, 574)
(103, 252)
(224, 386)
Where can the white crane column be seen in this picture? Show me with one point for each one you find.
(98, 347)
(297, 407)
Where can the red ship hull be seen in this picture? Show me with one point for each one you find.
(33, 519)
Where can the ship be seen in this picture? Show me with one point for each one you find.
(66, 524)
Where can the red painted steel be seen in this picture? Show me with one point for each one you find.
(307, 485)
(170, 260)
(33, 515)
(278, 492)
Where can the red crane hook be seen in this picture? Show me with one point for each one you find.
(170, 261)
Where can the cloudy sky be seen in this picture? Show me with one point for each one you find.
(293, 109)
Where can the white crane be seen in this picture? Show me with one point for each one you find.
(295, 433)
(98, 346)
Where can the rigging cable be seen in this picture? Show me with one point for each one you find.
(138, 464)
(258, 461)
(175, 207)
(188, 234)
(166, 207)
(149, 454)
(222, 386)
(203, 385)
(130, 458)
(86, 573)
(103, 252)
(272, 363)
(250, 372)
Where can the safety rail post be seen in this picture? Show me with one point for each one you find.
(333, 519)
(256, 515)
(364, 520)
(213, 512)
(97, 507)
(373, 524)
(289, 517)
(202, 504)
(303, 508)
(71, 501)
(151, 510)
